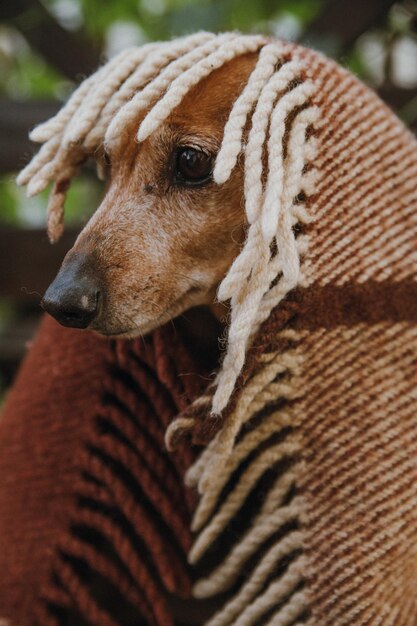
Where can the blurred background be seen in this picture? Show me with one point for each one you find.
(48, 46)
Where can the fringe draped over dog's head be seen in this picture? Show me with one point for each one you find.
(276, 102)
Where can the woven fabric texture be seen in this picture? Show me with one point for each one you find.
(95, 521)
(357, 415)
(298, 505)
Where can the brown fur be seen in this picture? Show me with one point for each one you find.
(158, 248)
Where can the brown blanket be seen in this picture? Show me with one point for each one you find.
(305, 508)
(94, 522)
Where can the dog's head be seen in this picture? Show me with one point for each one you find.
(171, 229)
(165, 234)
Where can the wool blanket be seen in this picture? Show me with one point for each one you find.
(299, 504)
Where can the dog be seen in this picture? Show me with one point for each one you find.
(165, 234)
(208, 144)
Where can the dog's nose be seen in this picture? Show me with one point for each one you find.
(73, 298)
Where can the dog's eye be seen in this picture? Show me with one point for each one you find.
(193, 166)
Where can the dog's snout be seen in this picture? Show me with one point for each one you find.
(73, 298)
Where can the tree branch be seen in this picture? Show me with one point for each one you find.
(16, 120)
(346, 20)
(35, 262)
(72, 54)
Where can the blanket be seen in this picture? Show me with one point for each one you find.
(288, 493)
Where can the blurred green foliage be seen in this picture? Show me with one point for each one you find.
(25, 75)
(165, 18)
(18, 210)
